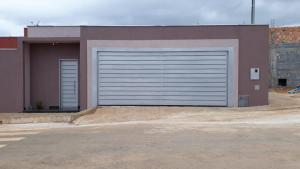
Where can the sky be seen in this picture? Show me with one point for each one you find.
(17, 14)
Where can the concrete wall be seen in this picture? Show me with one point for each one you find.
(253, 49)
(285, 63)
(44, 71)
(11, 75)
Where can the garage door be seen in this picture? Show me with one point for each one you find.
(162, 77)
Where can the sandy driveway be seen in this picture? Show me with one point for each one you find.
(282, 108)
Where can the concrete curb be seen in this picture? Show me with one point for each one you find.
(82, 113)
(25, 118)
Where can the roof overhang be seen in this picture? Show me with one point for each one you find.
(53, 32)
(51, 40)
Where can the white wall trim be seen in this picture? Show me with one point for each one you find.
(93, 101)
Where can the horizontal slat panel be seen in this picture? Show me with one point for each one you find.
(69, 80)
(71, 84)
(203, 98)
(70, 92)
(145, 57)
(69, 75)
(69, 105)
(183, 62)
(163, 88)
(160, 93)
(70, 68)
(68, 63)
(162, 84)
(161, 53)
(69, 96)
(174, 71)
(73, 71)
(70, 101)
(165, 67)
(68, 89)
(160, 80)
(162, 75)
(159, 102)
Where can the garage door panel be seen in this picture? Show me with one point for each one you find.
(186, 97)
(161, 93)
(162, 53)
(162, 78)
(160, 71)
(162, 58)
(163, 75)
(161, 84)
(161, 102)
(169, 62)
(159, 67)
(167, 88)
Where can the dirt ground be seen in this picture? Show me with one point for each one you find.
(265, 137)
(153, 146)
(281, 104)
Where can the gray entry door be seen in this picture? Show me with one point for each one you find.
(162, 77)
(68, 84)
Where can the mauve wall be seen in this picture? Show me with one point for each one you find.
(11, 75)
(44, 71)
(253, 51)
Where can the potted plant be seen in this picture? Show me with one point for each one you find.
(39, 105)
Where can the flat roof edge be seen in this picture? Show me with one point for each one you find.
(146, 25)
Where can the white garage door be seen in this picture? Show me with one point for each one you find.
(162, 77)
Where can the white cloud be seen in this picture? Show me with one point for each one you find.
(10, 28)
(16, 14)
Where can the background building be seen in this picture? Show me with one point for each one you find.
(285, 56)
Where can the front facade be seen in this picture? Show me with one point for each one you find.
(76, 68)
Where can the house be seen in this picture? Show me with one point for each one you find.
(70, 68)
(285, 56)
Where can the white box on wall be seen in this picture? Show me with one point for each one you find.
(254, 73)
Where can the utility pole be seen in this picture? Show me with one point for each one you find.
(253, 13)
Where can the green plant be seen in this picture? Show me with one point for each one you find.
(39, 105)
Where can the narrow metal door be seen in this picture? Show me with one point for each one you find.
(68, 84)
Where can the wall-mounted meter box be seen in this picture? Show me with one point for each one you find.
(254, 73)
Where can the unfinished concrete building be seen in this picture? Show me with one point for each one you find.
(285, 56)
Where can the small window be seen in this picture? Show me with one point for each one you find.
(282, 82)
